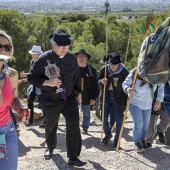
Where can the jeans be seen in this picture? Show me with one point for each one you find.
(11, 147)
(166, 102)
(141, 120)
(86, 116)
(31, 99)
(112, 117)
(110, 107)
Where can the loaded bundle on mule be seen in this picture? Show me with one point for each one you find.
(153, 61)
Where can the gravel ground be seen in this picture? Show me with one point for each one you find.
(98, 157)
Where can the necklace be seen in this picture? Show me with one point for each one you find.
(2, 76)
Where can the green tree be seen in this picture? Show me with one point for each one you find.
(76, 29)
(12, 22)
(98, 29)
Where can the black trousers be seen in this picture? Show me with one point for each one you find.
(30, 100)
(69, 109)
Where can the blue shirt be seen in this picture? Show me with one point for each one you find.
(142, 95)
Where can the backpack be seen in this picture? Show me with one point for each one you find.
(90, 70)
(153, 61)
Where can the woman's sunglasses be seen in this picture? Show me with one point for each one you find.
(6, 47)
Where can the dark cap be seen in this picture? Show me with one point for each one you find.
(115, 58)
(82, 51)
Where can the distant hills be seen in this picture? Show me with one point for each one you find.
(89, 1)
(50, 6)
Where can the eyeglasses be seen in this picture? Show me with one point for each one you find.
(6, 47)
(81, 56)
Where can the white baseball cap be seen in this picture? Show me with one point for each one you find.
(35, 50)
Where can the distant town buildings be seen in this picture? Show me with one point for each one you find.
(48, 6)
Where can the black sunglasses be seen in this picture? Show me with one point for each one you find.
(6, 47)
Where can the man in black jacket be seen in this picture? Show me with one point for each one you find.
(89, 85)
(33, 91)
(56, 73)
(116, 99)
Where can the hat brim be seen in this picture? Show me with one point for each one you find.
(88, 56)
(116, 62)
(34, 52)
(62, 43)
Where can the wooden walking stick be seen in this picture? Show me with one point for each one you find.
(126, 110)
(104, 88)
(127, 49)
(128, 103)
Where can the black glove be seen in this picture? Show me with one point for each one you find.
(106, 59)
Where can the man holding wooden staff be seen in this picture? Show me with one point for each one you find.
(115, 99)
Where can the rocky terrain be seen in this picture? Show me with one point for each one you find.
(32, 145)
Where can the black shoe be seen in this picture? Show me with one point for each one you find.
(47, 154)
(77, 163)
(28, 124)
(42, 125)
(162, 138)
(84, 131)
(144, 144)
(138, 148)
(106, 139)
(149, 145)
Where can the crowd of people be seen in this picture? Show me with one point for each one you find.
(65, 83)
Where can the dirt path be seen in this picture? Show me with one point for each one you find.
(32, 145)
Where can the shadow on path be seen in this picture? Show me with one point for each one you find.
(158, 157)
(61, 164)
(97, 165)
(22, 149)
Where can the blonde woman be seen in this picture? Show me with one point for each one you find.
(8, 92)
